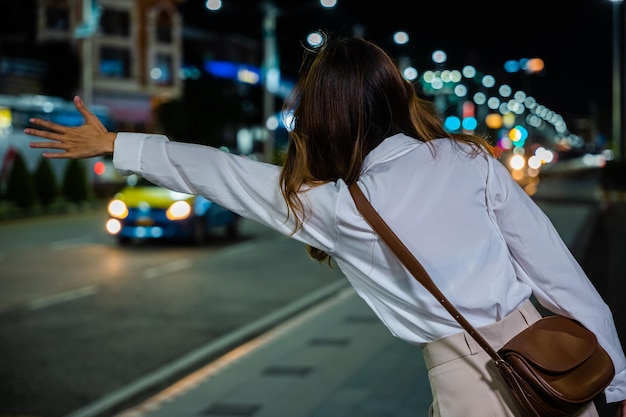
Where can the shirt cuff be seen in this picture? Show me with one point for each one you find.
(617, 390)
(127, 152)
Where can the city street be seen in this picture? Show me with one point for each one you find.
(89, 328)
(80, 316)
(234, 319)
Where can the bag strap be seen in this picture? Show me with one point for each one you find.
(413, 265)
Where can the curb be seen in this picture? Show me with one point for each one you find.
(206, 353)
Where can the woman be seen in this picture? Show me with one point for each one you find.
(485, 243)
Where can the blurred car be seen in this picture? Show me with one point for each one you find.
(142, 210)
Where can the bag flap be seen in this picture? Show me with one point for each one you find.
(553, 344)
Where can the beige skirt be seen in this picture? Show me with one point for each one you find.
(463, 378)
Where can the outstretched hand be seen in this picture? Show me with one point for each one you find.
(90, 139)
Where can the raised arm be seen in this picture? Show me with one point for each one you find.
(90, 139)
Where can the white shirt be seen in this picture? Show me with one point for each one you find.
(483, 240)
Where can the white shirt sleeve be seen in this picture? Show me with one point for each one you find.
(247, 187)
(545, 263)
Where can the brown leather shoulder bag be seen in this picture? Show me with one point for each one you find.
(553, 368)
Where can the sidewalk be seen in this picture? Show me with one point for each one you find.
(337, 359)
(334, 360)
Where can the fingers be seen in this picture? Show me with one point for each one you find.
(53, 130)
(60, 155)
(64, 151)
(51, 126)
(60, 146)
(47, 145)
(54, 138)
(90, 118)
(44, 134)
(74, 142)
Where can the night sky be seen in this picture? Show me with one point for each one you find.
(573, 37)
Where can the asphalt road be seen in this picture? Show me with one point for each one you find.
(81, 317)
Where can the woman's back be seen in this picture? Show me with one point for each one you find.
(435, 197)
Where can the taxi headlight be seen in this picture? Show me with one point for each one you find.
(178, 211)
(117, 208)
(113, 226)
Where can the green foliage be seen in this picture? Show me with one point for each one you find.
(279, 157)
(45, 183)
(20, 185)
(75, 186)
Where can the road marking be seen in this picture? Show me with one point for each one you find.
(266, 329)
(167, 268)
(70, 243)
(62, 297)
(238, 249)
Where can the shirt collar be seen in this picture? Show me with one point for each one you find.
(390, 148)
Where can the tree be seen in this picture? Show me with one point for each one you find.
(20, 186)
(75, 187)
(45, 183)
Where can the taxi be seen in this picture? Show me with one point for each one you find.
(142, 210)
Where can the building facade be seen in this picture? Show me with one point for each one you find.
(130, 52)
(132, 56)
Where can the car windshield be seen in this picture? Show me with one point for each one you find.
(137, 181)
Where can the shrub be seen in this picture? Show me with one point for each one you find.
(75, 187)
(20, 185)
(45, 183)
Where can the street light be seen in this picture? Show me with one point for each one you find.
(85, 32)
(617, 87)
(271, 67)
(271, 72)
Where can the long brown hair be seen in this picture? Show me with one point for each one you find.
(349, 97)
